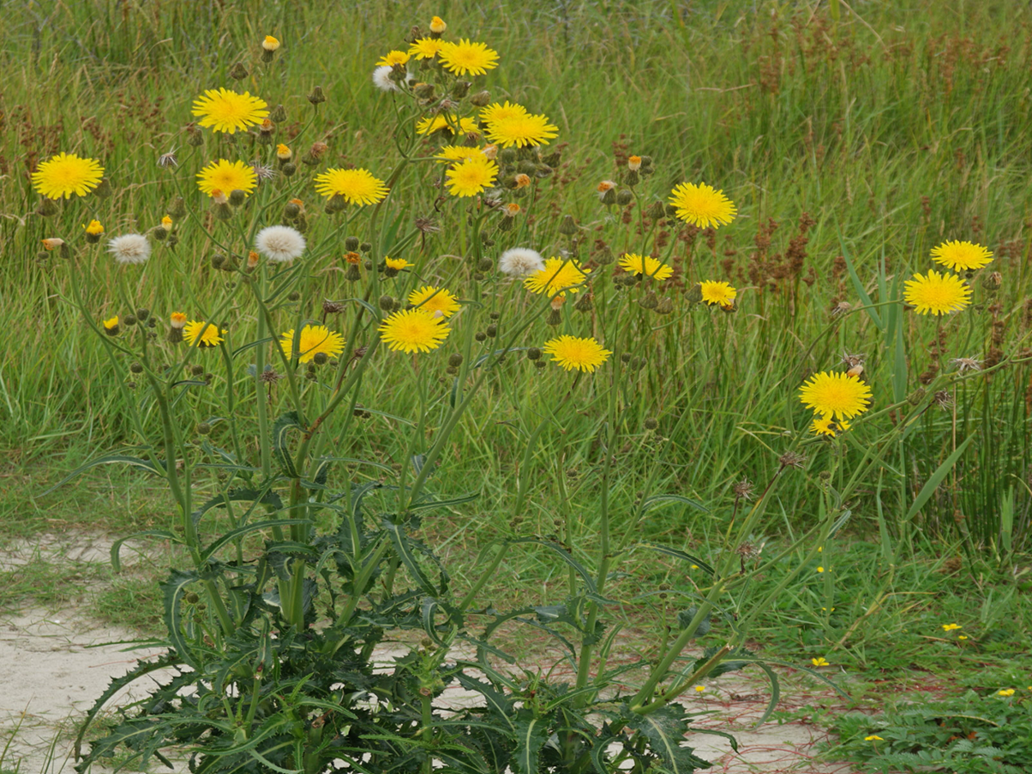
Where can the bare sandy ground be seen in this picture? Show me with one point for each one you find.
(54, 664)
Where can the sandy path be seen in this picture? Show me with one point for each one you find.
(54, 664)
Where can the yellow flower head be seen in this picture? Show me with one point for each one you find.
(398, 264)
(312, 341)
(226, 111)
(448, 123)
(951, 626)
(522, 130)
(466, 58)
(283, 152)
(1006, 692)
(471, 176)
(870, 738)
(435, 301)
(95, 228)
(700, 688)
(356, 186)
(223, 177)
(558, 277)
(393, 58)
(65, 174)
(111, 325)
(702, 205)
(834, 395)
(819, 662)
(961, 256)
(269, 43)
(820, 569)
(826, 426)
(937, 294)
(634, 163)
(177, 320)
(449, 153)
(166, 222)
(425, 48)
(572, 352)
(717, 292)
(437, 25)
(496, 112)
(413, 330)
(633, 263)
(198, 333)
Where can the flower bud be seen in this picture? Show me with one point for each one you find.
(455, 360)
(203, 429)
(103, 189)
(289, 169)
(917, 397)
(365, 247)
(631, 178)
(136, 367)
(129, 320)
(508, 156)
(424, 91)
(352, 274)
(237, 197)
(533, 353)
(197, 370)
(316, 96)
(665, 306)
(647, 162)
(335, 204)
(650, 424)
(492, 331)
(159, 233)
(239, 72)
(485, 265)
(320, 359)
(584, 303)
(992, 281)
(604, 256)
(625, 197)
(222, 211)
(609, 196)
(217, 260)
(437, 26)
(694, 295)
(553, 159)
(649, 301)
(555, 318)
(480, 336)
(460, 89)
(175, 335)
(655, 211)
(47, 208)
(480, 99)
(142, 314)
(567, 225)
(194, 138)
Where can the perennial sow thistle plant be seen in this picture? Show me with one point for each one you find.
(301, 560)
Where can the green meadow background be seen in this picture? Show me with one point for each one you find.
(893, 125)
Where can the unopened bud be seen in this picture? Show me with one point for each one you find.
(460, 89)
(917, 397)
(159, 233)
(480, 99)
(650, 424)
(695, 294)
(316, 96)
(194, 138)
(655, 211)
(238, 72)
(631, 177)
(136, 368)
(365, 247)
(320, 359)
(455, 360)
(649, 301)
(289, 169)
(352, 274)
(47, 208)
(609, 196)
(388, 303)
(480, 336)
(625, 197)
(204, 428)
(492, 331)
(992, 281)
(508, 156)
(103, 189)
(278, 114)
(291, 210)
(584, 303)
(567, 225)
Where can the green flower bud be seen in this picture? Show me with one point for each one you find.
(316, 96)
(455, 360)
(480, 99)
(567, 225)
(47, 208)
(289, 169)
(129, 320)
(278, 114)
(533, 353)
(625, 197)
(650, 424)
(239, 72)
(203, 428)
(177, 208)
(237, 197)
(320, 359)
(136, 368)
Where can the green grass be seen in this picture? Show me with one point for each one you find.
(895, 126)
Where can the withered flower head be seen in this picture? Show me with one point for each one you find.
(743, 489)
(967, 364)
(790, 459)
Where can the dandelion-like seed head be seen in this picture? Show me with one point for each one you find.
(521, 262)
(633, 263)
(356, 186)
(436, 301)
(937, 294)
(199, 333)
(220, 177)
(467, 58)
(413, 330)
(312, 341)
(717, 292)
(130, 249)
(227, 111)
(471, 176)
(702, 205)
(65, 174)
(280, 243)
(572, 352)
(961, 256)
(558, 276)
(836, 396)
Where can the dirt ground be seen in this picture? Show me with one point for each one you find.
(55, 663)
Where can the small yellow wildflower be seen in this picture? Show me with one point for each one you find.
(870, 738)
(819, 662)
(270, 43)
(951, 626)
(1006, 692)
